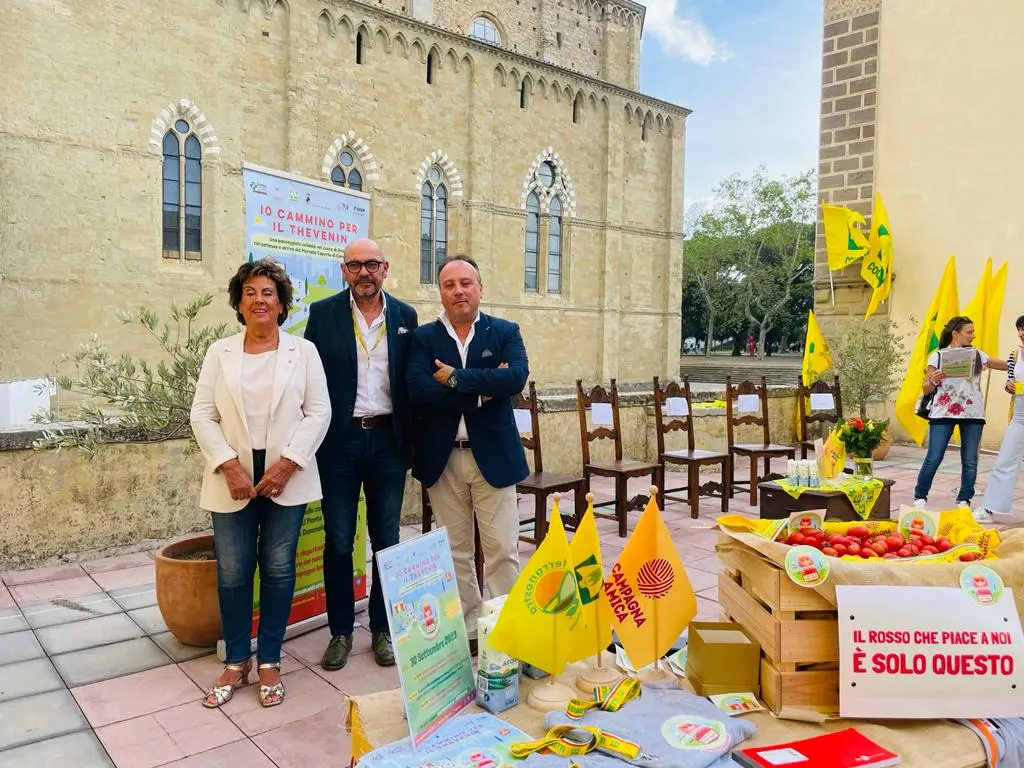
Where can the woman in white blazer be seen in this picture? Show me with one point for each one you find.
(260, 412)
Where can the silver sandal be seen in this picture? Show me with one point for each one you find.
(221, 694)
(268, 691)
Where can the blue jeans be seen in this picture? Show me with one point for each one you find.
(369, 458)
(939, 435)
(268, 534)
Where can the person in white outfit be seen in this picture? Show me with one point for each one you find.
(1002, 484)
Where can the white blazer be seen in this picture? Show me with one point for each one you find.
(299, 416)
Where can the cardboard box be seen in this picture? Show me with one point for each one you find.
(722, 657)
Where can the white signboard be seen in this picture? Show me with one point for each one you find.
(676, 406)
(748, 403)
(524, 420)
(822, 401)
(601, 414)
(928, 652)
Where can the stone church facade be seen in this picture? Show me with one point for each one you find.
(511, 130)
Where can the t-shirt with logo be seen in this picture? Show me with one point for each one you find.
(959, 400)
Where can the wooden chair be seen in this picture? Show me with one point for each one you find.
(691, 458)
(428, 523)
(806, 416)
(766, 450)
(619, 469)
(541, 484)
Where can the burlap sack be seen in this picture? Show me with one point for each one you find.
(1009, 565)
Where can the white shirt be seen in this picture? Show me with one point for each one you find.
(959, 398)
(373, 382)
(257, 389)
(462, 434)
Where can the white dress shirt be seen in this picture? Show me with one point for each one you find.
(373, 382)
(257, 387)
(462, 434)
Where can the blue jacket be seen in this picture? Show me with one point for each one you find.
(493, 435)
(330, 328)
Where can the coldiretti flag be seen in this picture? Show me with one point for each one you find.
(977, 307)
(844, 243)
(944, 305)
(877, 266)
(986, 309)
(597, 613)
(541, 621)
(649, 592)
(817, 358)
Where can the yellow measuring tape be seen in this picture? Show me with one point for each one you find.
(559, 742)
(359, 334)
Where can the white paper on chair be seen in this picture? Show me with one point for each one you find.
(524, 420)
(601, 414)
(676, 406)
(748, 403)
(822, 401)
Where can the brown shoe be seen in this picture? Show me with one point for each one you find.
(383, 653)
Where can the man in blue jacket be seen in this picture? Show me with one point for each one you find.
(363, 337)
(463, 371)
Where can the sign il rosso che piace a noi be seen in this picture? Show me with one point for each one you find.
(928, 652)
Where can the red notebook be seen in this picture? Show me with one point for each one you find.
(843, 749)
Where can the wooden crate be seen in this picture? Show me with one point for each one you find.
(797, 629)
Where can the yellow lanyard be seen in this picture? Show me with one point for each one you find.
(609, 699)
(359, 334)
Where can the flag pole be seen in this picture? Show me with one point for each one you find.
(658, 672)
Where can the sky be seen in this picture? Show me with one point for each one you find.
(750, 71)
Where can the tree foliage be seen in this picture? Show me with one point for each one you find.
(131, 397)
(870, 362)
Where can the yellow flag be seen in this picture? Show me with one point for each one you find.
(844, 243)
(541, 621)
(834, 455)
(944, 305)
(597, 613)
(977, 307)
(877, 266)
(989, 343)
(649, 591)
(817, 358)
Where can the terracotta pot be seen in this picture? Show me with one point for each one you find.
(186, 591)
(883, 447)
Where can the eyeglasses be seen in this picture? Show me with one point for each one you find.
(355, 266)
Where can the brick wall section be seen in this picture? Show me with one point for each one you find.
(846, 157)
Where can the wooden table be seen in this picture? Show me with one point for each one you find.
(377, 719)
(776, 503)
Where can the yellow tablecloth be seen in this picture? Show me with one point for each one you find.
(378, 718)
(862, 494)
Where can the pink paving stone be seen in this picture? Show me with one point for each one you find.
(321, 741)
(238, 753)
(205, 670)
(172, 734)
(118, 563)
(53, 573)
(6, 601)
(126, 577)
(309, 648)
(132, 696)
(306, 695)
(711, 564)
(361, 676)
(701, 580)
(45, 591)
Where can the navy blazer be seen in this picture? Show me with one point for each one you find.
(330, 328)
(493, 435)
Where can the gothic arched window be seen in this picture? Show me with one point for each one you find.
(182, 198)
(532, 241)
(346, 172)
(433, 223)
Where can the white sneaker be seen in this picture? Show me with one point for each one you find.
(964, 504)
(982, 515)
(920, 503)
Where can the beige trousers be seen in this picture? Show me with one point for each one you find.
(460, 493)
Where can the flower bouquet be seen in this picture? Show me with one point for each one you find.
(860, 439)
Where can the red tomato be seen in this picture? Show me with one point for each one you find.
(837, 539)
(905, 552)
(858, 530)
(840, 549)
(890, 556)
(829, 551)
(867, 552)
(943, 544)
(968, 556)
(879, 547)
(926, 540)
(795, 538)
(853, 548)
(895, 543)
(929, 550)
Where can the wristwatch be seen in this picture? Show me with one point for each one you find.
(452, 380)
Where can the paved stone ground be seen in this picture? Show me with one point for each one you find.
(89, 675)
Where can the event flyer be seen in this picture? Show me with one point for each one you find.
(305, 225)
(428, 631)
(470, 741)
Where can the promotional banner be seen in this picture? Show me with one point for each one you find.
(305, 226)
(929, 652)
(310, 599)
(428, 631)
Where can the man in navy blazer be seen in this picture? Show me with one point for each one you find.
(464, 369)
(363, 335)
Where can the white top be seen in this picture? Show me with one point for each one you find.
(373, 382)
(257, 388)
(959, 399)
(462, 434)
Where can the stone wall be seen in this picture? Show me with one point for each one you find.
(63, 506)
